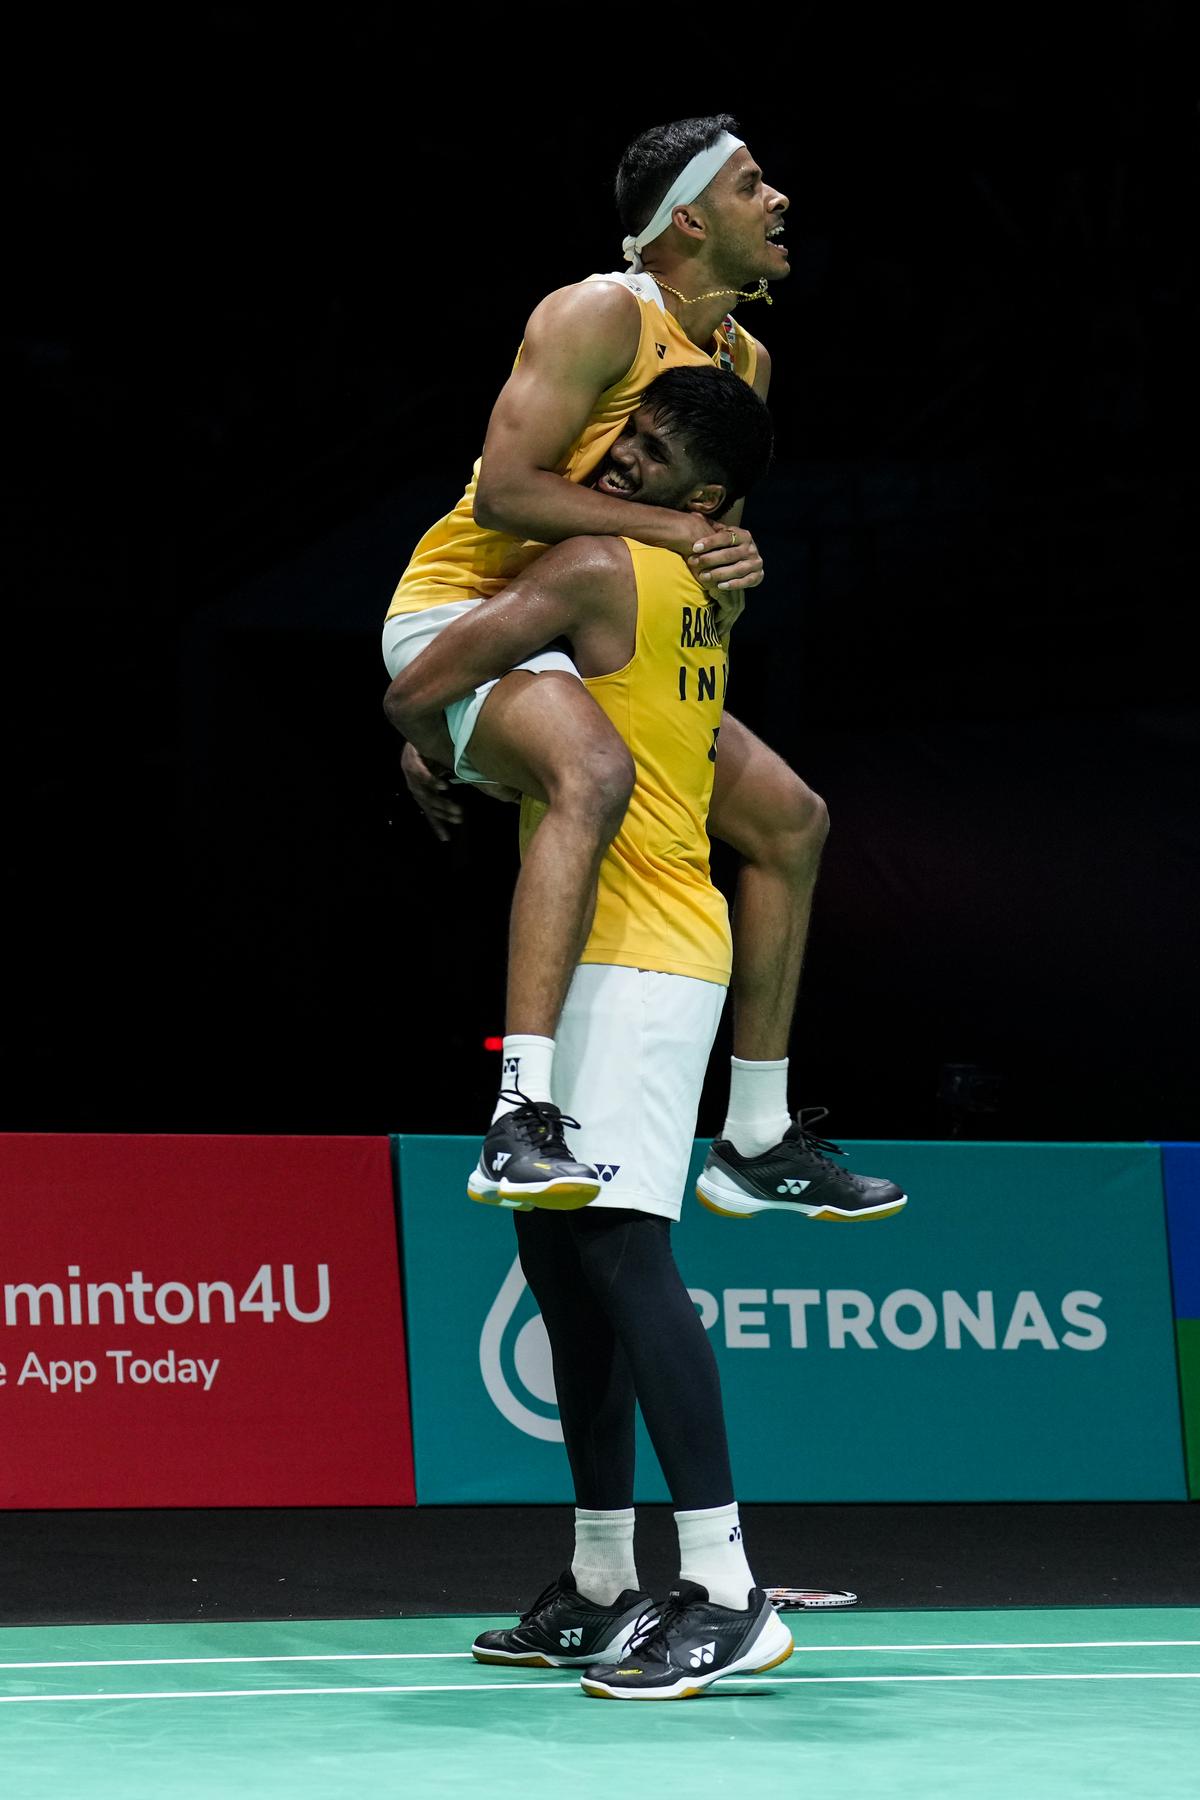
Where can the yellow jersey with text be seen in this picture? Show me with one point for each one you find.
(656, 905)
(460, 560)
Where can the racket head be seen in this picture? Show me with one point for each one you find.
(801, 1599)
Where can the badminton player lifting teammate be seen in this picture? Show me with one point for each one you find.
(705, 231)
(634, 1040)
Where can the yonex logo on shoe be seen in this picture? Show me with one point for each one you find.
(501, 1157)
(791, 1187)
(571, 1640)
(703, 1654)
(607, 1171)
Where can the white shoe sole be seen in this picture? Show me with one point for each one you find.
(720, 1195)
(772, 1646)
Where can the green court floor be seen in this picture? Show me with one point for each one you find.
(978, 1704)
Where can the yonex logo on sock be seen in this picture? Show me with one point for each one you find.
(607, 1171)
(735, 1536)
(791, 1187)
(512, 1066)
(571, 1640)
(703, 1654)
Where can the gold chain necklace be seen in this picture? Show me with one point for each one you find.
(760, 292)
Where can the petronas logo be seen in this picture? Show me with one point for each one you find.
(514, 1361)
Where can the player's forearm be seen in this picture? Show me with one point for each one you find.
(547, 509)
(480, 647)
(416, 701)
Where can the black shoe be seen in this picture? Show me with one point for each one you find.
(562, 1630)
(794, 1176)
(525, 1161)
(691, 1644)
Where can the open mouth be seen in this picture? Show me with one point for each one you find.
(775, 239)
(611, 481)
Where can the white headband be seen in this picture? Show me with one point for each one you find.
(691, 182)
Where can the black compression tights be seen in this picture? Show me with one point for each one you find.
(621, 1325)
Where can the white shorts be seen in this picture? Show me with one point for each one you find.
(629, 1059)
(404, 638)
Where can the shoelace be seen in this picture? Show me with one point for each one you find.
(544, 1599)
(655, 1624)
(817, 1146)
(540, 1121)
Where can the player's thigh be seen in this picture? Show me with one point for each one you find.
(542, 732)
(756, 797)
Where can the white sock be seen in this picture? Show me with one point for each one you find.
(758, 1105)
(711, 1552)
(603, 1564)
(525, 1063)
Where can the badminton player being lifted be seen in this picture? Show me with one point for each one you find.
(705, 231)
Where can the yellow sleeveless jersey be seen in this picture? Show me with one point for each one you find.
(459, 560)
(656, 906)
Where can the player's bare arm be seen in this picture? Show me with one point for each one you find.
(584, 590)
(578, 342)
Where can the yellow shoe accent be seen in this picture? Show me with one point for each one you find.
(838, 1218)
(714, 1208)
(567, 1198)
(532, 1661)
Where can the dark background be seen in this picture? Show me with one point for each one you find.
(266, 279)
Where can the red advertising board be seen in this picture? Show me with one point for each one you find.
(200, 1321)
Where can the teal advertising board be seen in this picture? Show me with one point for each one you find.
(1009, 1336)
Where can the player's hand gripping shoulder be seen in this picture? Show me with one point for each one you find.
(726, 562)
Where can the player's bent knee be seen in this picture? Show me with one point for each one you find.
(800, 827)
(790, 833)
(597, 787)
(810, 815)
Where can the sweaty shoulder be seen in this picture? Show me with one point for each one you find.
(597, 320)
(601, 566)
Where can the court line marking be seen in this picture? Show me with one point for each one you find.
(180, 1662)
(457, 1687)
(543, 1687)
